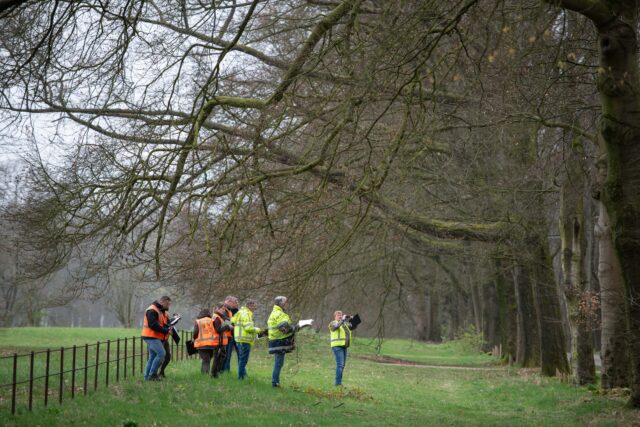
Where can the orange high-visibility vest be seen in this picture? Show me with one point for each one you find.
(228, 334)
(207, 335)
(147, 332)
(224, 338)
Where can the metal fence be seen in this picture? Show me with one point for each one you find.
(67, 371)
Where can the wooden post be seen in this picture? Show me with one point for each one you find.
(95, 378)
(13, 384)
(61, 388)
(86, 368)
(108, 356)
(124, 369)
(46, 378)
(31, 381)
(73, 372)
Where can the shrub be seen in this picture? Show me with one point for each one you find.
(468, 339)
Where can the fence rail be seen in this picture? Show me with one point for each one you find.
(24, 369)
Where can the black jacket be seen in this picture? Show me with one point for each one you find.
(152, 319)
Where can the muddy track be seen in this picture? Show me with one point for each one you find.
(387, 360)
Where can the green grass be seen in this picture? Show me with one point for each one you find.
(448, 354)
(374, 394)
(26, 339)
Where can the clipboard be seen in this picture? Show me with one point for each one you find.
(305, 323)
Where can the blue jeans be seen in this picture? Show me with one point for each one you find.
(341, 359)
(156, 357)
(227, 361)
(243, 349)
(277, 367)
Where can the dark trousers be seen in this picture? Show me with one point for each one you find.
(167, 357)
(217, 355)
(278, 363)
(220, 354)
(244, 349)
(229, 351)
(205, 355)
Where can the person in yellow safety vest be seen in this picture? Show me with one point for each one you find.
(340, 330)
(244, 333)
(281, 333)
(155, 330)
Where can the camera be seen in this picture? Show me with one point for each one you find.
(346, 317)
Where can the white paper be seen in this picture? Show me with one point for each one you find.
(306, 322)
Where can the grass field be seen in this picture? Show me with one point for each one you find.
(457, 388)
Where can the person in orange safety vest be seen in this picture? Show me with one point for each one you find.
(155, 330)
(231, 308)
(210, 340)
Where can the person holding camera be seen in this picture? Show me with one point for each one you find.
(340, 330)
(281, 333)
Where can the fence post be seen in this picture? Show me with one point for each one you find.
(141, 361)
(86, 368)
(108, 351)
(61, 375)
(133, 358)
(13, 385)
(31, 381)
(118, 360)
(46, 378)
(182, 347)
(124, 370)
(73, 373)
(95, 378)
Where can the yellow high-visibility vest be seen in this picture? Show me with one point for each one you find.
(340, 335)
(244, 329)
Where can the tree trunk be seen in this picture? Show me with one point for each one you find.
(490, 315)
(614, 351)
(619, 88)
(476, 305)
(553, 353)
(507, 313)
(434, 331)
(573, 245)
(456, 317)
(527, 343)
(417, 303)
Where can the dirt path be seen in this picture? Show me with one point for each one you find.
(392, 361)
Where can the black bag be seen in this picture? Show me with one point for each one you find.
(175, 336)
(191, 350)
(355, 321)
(285, 345)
